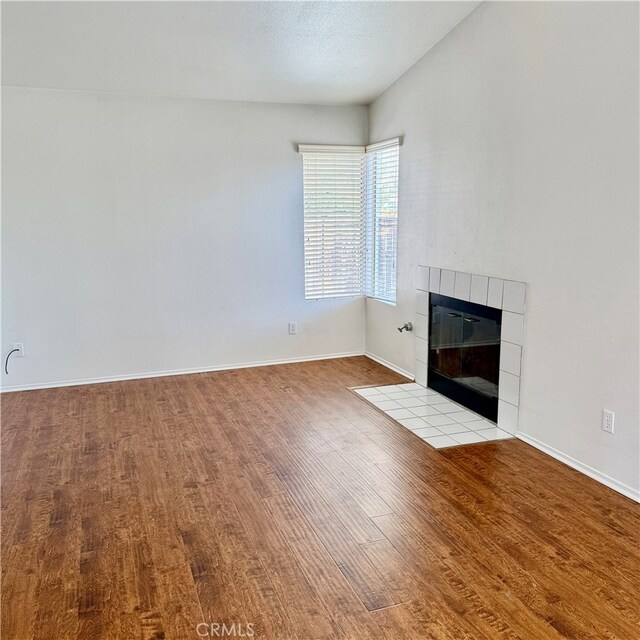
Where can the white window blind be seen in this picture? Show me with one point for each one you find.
(351, 220)
(334, 224)
(382, 219)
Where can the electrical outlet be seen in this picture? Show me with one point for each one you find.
(608, 420)
(293, 328)
(20, 350)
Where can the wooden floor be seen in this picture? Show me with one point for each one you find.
(276, 500)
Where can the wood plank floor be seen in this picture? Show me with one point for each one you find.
(275, 500)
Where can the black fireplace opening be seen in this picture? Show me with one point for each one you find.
(464, 353)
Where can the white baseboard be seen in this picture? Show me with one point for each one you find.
(625, 490)
(175, 372)
(386, 363)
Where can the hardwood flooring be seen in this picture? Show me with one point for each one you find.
(278, 503)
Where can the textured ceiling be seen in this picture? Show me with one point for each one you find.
(300, 52)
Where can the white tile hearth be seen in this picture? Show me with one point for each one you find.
(429, 420)
(369, 391)
(447, 407)
(439, 420)
(440, 442)
(399, 413)
(494, 433)
(456, 427)
(479, 425)
(412, 423)
(387, 405)
(412, 402)
(427, 432)
(378, 397)
(424, 410)
(411, 387)
(469, 437)
(438, 399)
(400, 395)
(464, 416)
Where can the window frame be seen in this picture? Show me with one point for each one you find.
(314, 156)
(368, 218)
(380, 151)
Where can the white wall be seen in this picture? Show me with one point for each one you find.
(520, 160)
(148, 234)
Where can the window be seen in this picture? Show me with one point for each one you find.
(382, 220)
(333, 221)
(350, 220)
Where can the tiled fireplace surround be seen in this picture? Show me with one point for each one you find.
(507, 295)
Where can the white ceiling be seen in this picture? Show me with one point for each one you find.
(299, 52)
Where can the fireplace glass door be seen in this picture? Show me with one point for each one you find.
(464, 353)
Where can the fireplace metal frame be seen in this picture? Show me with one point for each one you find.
(482, 404)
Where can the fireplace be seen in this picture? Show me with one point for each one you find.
(464, 353)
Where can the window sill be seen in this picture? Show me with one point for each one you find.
(346, 297)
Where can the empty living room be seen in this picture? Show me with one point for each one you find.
(320, 320)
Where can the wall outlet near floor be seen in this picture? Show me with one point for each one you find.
(608, 420)
(293, 328)
(20, 350)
